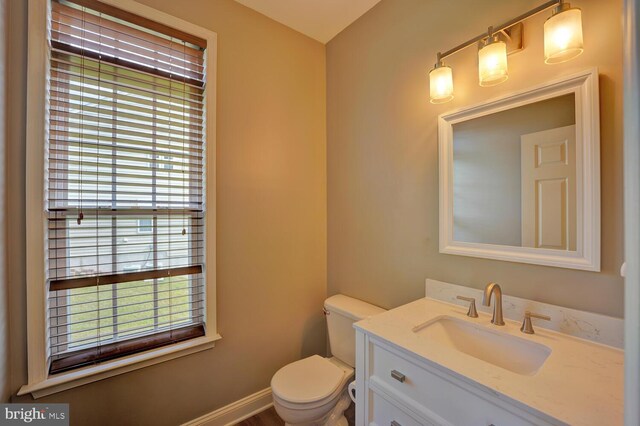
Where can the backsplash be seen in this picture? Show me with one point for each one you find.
(585, 325)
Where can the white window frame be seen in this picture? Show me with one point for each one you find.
(40, 383)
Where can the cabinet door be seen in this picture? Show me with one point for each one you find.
(434, 393)
(384, 413)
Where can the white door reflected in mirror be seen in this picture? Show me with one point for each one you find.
(548, 176)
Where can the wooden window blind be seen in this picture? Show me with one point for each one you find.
(125, 184)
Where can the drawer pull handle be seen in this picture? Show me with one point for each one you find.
(398, 376)
(394, 423)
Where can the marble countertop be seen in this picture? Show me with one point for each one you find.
(581, 382)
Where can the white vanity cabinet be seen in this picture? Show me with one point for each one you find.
(398, 388)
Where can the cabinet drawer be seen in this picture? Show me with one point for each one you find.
(384, 413)
(454, 404)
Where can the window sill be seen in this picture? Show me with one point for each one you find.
(82, 376)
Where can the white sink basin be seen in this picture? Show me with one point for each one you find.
(495, 347)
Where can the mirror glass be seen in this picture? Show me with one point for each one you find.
(514, 176)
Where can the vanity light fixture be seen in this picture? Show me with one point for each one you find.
(492, 61)
(562, 41)
(440, 83)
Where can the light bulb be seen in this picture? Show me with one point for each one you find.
(492, 62)
(441, 84)
(563, 35)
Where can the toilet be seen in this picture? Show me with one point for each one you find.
(313, 391)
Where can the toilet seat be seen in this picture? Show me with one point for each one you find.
(309, 382)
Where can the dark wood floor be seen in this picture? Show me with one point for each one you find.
(266, 418)
(270, 418)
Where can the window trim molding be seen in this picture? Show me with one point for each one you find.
(81, 376)
(40, 383)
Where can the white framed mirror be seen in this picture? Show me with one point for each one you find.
(520, 176)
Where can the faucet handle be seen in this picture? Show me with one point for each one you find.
(472, 312)
(527, 326)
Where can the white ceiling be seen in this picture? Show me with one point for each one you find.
(319, 19)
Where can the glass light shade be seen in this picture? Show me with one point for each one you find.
(563, 36)
(441, 84)
(492, 63)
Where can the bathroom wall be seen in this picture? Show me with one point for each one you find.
(271, 220)
(487, 176)
(382, 163)
(5, 385)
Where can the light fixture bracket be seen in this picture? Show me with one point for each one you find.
(561, 7)
(511, 36)
(439, 62)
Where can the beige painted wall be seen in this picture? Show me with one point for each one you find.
(271, 243)
(382, 164)
(5, 379)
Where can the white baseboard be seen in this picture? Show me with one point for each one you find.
(236, 411)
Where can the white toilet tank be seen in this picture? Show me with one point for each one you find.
(341, 312)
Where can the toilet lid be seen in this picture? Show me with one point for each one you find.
(310, 379)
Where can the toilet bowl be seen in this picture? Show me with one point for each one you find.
(308, 392)
(313, 391)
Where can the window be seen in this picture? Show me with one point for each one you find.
(125, 187)
(145, 226)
